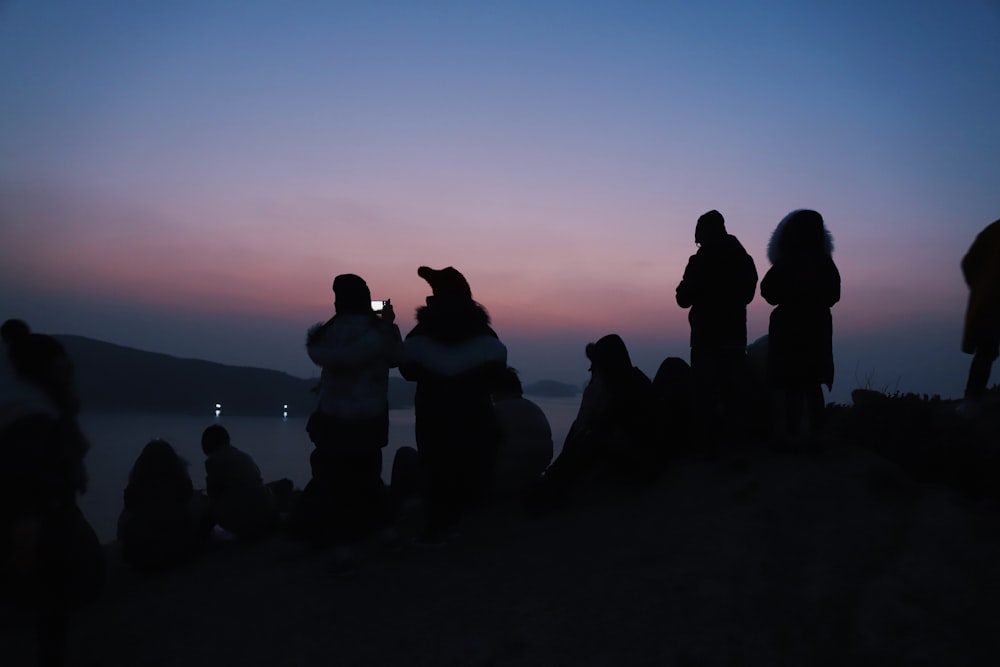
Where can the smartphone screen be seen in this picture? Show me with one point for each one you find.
(379, 305)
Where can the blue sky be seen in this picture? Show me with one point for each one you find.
(189, 177)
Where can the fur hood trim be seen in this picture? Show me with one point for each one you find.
(801, 232)
(452, 321)
(454, 360)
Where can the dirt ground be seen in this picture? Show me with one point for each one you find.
(759, 558)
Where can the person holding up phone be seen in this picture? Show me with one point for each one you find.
(346, 498)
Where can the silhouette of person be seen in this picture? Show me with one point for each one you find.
(803, 284)
(672, 394)
(239, 501)
(50, 557)
(164, 521)
(455, 358)
(613, 432)
(526, 447)
(355, 348)
(981, 335)
(720, 279)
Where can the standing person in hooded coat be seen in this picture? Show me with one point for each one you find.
(804, 284)
(456, 359)
(719, 281)
(981, 336)
(346, 497)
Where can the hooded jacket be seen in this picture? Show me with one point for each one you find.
(356, 352)
(455, 358)
(719, 281)
(804, 284)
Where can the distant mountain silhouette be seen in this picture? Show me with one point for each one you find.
(112, 378)
(551, 389)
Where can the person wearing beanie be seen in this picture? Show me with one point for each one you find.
(803, 284)
(719, 281)
(456, 359)
(346, 498)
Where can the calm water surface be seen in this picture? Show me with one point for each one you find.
(279, 445)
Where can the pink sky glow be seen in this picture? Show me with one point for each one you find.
(190, 179)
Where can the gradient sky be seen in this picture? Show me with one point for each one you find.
(188, 177)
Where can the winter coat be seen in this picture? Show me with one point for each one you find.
(981, 269)
(455, 358)
(623, 413)
(356, 352)
(719, 281)
(804, 284)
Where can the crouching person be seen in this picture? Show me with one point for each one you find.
(239, 502)
(613, 434)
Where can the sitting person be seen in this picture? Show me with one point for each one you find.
(614, 428)
(239, 501)
(526, 446)
(673, 392)
(164, 521)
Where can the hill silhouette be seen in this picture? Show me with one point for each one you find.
(113, 378)
(552, 389)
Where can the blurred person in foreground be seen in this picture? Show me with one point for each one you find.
(51, 563)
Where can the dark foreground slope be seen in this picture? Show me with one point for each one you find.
(838, 558)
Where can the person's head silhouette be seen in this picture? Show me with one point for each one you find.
(711, 227)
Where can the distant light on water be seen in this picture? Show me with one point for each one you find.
(285, 413)
(218, 409)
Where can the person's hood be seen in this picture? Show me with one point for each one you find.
(801, 232)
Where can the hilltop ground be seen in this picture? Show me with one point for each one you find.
(834, 554)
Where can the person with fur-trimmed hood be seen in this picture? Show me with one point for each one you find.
(456, 359)
(346, 496)
(981, 335)
(803, 284)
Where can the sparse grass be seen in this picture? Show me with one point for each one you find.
(926, 436)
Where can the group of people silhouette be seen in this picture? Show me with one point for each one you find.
(477, 437)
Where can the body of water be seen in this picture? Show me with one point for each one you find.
(279, 445)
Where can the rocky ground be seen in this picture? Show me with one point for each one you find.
(830, 555)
